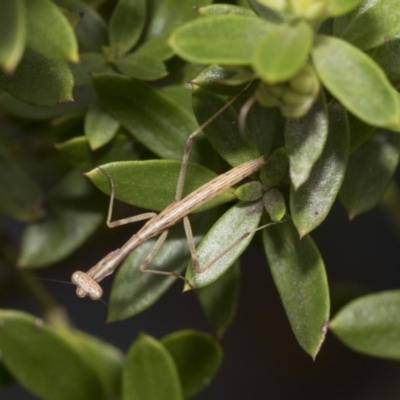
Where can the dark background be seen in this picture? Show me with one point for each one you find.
(262, 358)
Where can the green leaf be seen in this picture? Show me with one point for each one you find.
(267, 12)
(82, 98)
(223, 132)
(48, 31)
(21, 196)
(142, 66)
(339, 7)
(173, 13)
(73, 214)
(350, 75)
(39, 81)
(150, 372)
(100, 126)
(370, 324)
(152, 184)
(221, 9)
(223, 39)
(370, 169)
(289, 45)
(299, 274)
(220, 299)
(311, 203)
(387, 56)
(89, 63)
(372, 24)
(275, 170)
(12, 34)
(156, 47)
(360, 132)
(238, 223)
(126, 24)
(5, 377)
(63, 373)
(181, 95)
(91, 31)
(147, 114)
(197, 357)
(305, 139)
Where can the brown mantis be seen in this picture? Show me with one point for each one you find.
(158, 224)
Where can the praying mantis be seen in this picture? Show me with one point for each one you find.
(88, 282)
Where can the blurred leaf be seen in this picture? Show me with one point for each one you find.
(82, 97)
(197, 357)
(142, 66)
(289, 45)
(74, 213)
(350, 75)
(305, 139)
(223, 132)
(173, 13)
(48, 31)
(299, 274)
(267, 12)
(21, 196)
(126, 24)
(156, 47)
(63, 374)
(370, 169)
(360, 132)
(237, 223)
(5, 377)
(152, 184)
(147, 114)
(371, 325)
(89, 63)
(387, 56)
(339, 7)
(221, 9)
(91, 31)
(223, 39)
(39, 81)
(372, 24)
(220, 299)
(311, 203)
(150, 372)
(181, 95)
(134, 291)
(12, 33)
(275, 170)
(100, 126)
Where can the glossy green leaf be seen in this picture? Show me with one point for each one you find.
(223, 133)
(63, 373)
(91, 31)
(74, 213)
(311, 203)
(387, 56)
(299, 274)
(100, 126)
(150, 372)
(48, 31)
(372, 24)
(220, 299)
(21, 196)
(141, 66)
(283, 51)
(173, 13)
(82, 98)
(339, 7)
(152, 184)
(126, 24)
(360, 132)
(223, 39)
(134, 291)
(147, 114)
(89, 63)
(370, 169)
(222, 9)
(197, 357)
(235, 227)
(350, 75)
(12, 34)
(77, 151)
(370, 324)
(305, 139)
(39, 81)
